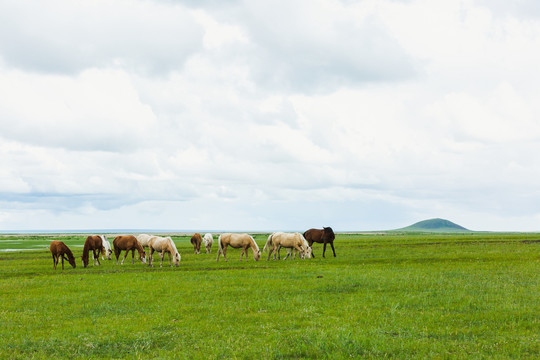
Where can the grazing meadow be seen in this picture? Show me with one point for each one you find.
(474, 296)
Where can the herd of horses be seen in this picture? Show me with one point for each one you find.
(297, 243)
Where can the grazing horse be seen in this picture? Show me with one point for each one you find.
(208, 241)
(163, 245)
(325, 236)
(236, 241)
(196, 240)
(94, 243)
(59, 250)
(106, 248)
(293, 241)
(127, 243)
(306, 255)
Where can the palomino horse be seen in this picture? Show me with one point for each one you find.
(106, 247)
(163, 245)
(127, 243)
(208, 241)
(59, 250)
(325, 236)
(293, 241)
(94, 243)
(236, 241)
(196, 240)
(305, 255)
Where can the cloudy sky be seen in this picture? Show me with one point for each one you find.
(269, 115)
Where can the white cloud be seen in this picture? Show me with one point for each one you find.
(358, 115)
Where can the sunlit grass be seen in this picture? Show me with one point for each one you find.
(421, 296)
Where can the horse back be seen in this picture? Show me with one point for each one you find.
(125, 242)
(196, 238)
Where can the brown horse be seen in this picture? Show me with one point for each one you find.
(94, 243)
(236, 241)
(127, 243)
(59, 250)
(196, 240)
(325, 236)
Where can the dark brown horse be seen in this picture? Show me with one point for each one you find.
(59, 250)
(324, 236)
(94, 243)
(127, 243)
(196, 240)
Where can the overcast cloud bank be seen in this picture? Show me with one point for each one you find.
(360, 115)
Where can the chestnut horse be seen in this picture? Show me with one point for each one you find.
(127, 243)
(208, 241)
(93, 242)
(163, 245)
(59, 250)
(324, 236)
(236, 241)
(294, 241)
(196, 240)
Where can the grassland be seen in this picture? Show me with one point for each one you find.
(393, 296)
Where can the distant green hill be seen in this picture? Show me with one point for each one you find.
(436, 226)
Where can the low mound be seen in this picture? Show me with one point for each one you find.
(435, 225)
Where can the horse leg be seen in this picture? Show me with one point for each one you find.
(332, 244)
(278, 254)
(270, 253)
(125, 256)
(150, 256)
(132, 256)
(311, 246)
(161, 255)
(170, 258)
(54, 261)
(96, 255)
(288, 253)
(225, 252)
(62, 262)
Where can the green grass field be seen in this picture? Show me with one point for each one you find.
(392, 296)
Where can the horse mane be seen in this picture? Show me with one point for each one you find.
(86, 250)
(69, 253)
(254, 242)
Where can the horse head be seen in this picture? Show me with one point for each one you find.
(177, 259)
(307, 252)
(108, 252)
(71, 260)
(84, 261)
(142, 257)
(256, 255)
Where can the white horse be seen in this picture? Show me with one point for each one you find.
(143, 239)
(208, 241)
(163, 245)
(295, 241)
(236, 241)
(107, 247)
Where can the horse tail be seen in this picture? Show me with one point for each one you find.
(268, 242)
(220, 246)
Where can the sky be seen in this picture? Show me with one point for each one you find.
(269, 115)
